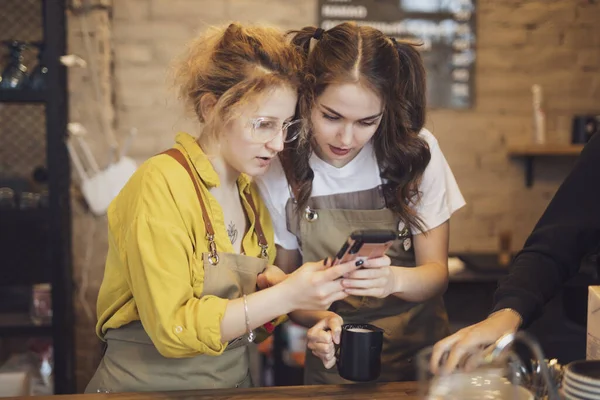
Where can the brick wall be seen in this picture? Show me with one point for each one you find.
(96, 113)
(550, 42)
(553, 43)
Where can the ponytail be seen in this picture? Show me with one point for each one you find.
(411, 86)
(306, 38)
(295, 158)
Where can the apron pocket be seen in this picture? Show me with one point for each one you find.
(246, 382)
(238, 342)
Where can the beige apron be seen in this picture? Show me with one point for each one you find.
(408, 327)
(132, 363)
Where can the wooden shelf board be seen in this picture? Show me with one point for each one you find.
(20, 324)
(530, 151)
(22, 96)
(545, 150)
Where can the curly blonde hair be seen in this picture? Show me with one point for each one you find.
(235, 64)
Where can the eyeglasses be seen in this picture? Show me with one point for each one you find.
(265, 129)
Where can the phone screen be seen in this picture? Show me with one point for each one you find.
(365, 244)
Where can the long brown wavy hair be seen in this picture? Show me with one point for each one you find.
(394, 69)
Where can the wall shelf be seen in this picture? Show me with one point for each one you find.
(545, 150)
(20, 324)
(22, 96)
(36, 243)
(530, 151)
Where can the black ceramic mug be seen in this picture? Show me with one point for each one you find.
(359, 352)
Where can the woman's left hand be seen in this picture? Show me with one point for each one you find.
(271, 276)
(375, 279)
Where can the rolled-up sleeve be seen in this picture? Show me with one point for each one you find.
(158, 264)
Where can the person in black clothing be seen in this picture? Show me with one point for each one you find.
(568, 231)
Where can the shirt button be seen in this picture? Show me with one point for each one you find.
(178, 329)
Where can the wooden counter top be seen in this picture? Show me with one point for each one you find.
(379, 391)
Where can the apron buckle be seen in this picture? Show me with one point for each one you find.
(213, 257)
(264, 251)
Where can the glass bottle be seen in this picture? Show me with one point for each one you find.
(37, 79)
(15, 73)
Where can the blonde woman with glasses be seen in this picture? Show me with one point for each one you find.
(190, 238)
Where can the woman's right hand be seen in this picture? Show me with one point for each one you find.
(316, 285)
(322, 338)
(464, 349)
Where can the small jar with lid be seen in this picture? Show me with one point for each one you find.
(41, 304)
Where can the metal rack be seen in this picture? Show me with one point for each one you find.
(35, 244)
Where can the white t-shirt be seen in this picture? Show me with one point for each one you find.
(440, 196)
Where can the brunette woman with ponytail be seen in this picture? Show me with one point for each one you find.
(365, 161)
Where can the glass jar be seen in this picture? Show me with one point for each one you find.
(41, 304)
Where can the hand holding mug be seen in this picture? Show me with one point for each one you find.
(323, 337)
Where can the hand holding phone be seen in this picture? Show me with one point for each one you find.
(375, 280)
(366, 244)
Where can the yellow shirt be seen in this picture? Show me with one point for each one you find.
(154, 270)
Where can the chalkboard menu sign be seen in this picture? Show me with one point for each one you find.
(444, 29)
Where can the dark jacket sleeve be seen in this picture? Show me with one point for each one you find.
(568, 230)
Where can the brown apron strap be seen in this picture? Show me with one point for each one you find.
(262, 240)
(180, 158)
